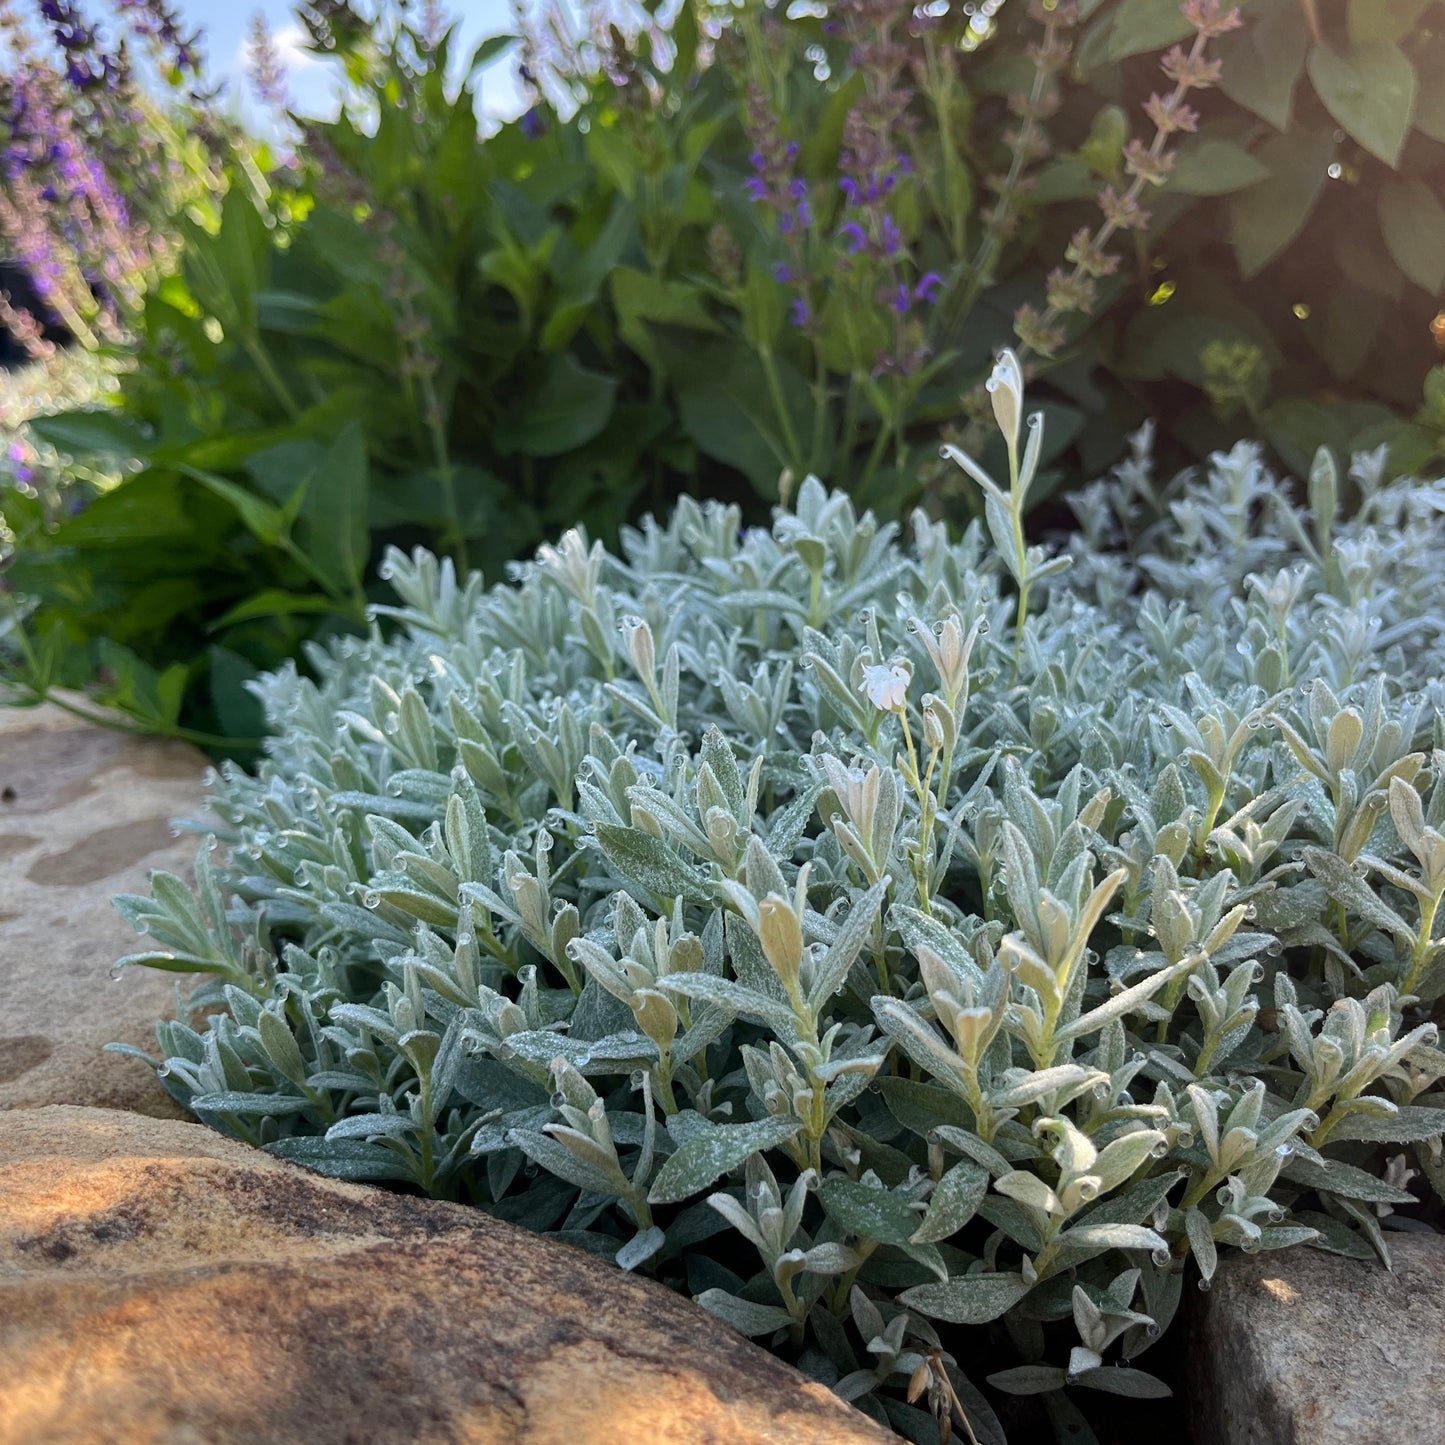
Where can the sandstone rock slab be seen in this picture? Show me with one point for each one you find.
(1307, 1348)
(84, 813)
(162, 1284)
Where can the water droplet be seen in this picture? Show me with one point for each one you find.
(1205, 1286)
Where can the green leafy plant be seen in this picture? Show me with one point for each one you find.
(875, 942)
(714, 256)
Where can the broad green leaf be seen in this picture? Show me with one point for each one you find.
(333, 529)
(1028, 1379)
(967, 1299)
(745, 1316)
(1265, 218)
(612, 1055)
(1111, 1236)
(648, 862)
(1120, 1380)
(1212, 167)
(704, 1159)
(1132, 27)
(373, 1126)
(640, 1248)
(1410, 1124)
(1264, 61)
(274, 602)
(353, 1159)
(566, 409)
(1136, 1202)
(843, 951)
(242, 1103)
(736, 998)
(92, 433)
(1382, 19)
(873, 1213)
(149, 508)
(557, 1159)
(1338, 1177)
(643, 299)
(924, 1107)
(1344, 884)
(1201, 1242)
(1370, 91)
(263, 519)
(954, 1201)
(1430, 99)
(1413, 223)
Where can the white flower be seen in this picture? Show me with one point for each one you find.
(886, 685)
(1006, 389)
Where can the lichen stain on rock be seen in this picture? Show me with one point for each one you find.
(104, 852)
(19, 1053)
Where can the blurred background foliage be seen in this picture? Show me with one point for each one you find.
(725, 245)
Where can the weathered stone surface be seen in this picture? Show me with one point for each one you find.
(161, 1284)
(1306, 1348)
(84, 813)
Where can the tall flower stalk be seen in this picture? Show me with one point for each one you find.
(1075, 291)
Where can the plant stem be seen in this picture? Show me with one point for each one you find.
(785, 420)
(261, 359)
(457, 542)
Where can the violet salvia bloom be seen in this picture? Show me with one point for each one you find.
(263, 65)
(160, 26)
(856, 236)
(928, 288)
(70, 167)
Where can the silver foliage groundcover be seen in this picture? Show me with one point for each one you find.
(871, 939)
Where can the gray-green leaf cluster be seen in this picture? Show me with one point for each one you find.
(804, 918)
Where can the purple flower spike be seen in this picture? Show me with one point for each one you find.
(757, 160)
(901, 300)
(928, 288)
(892, 237)
(805, 214)
(849, 187)
(792, 151)
(782, 273)
(755, 189)
(800, 315)
(857, 237)
(798, 190)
